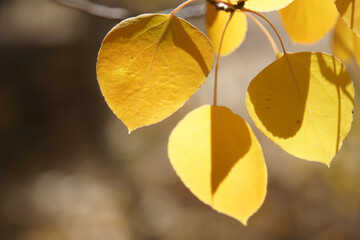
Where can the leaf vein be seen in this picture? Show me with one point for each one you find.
(168, 66)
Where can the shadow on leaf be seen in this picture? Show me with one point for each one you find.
(230, 141)
(183, 40)
(341, 79)
(343, 5)
(279, 99)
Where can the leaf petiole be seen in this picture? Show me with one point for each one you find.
(178, 8)
(218, 57)
(281, 42)
(267, 20)
(267, 34)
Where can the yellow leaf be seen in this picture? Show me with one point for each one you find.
(149, 66)
(217, 156)
(350, 12)
(342, 44)
(357, 49)
(309, 117)
(266, 5)
(307, 21)
(235, 32)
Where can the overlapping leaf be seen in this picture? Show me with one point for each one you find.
(219, 159)
(357, 49)
(343, 41)
(266, 5)
(350, 12)
(235, 32)
(308, 116)
(150, 65)
(307, 21)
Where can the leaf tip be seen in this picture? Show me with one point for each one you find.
(328, 161)
(243, 219)
(328, 164)
(244, 222)
(130, 130)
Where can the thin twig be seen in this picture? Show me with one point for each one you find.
(96, 9)
(118, 13)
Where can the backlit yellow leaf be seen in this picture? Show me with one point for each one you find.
(149, 66)
(342, 45)
(350, 12)
(309, 117)
(217, 156)
(357, 49)
(266, 5)
(307, 21)
(235, 32)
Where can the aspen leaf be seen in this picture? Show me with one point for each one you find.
(235, 32)
(266, 5)
(307, 21)
(357, 49)
(310, 116)
(343, 41)
(350, 12)
(217, 156)
(149, 66)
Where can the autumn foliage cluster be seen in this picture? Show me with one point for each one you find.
(150, 65)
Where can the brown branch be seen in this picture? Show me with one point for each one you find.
(117, 13)
(96, 9)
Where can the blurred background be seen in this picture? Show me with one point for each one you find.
(70, 171)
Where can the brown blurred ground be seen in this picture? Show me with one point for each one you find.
(70, 171)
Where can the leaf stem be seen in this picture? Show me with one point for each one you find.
(267, 34)
(218, 58)
(282, 44)
(272, 26)
(181, 6)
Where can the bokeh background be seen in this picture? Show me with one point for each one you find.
(70, 171)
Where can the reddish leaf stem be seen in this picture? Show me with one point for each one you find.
(181, 6)
(272, 26)
(267, 34)
(282, 44)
